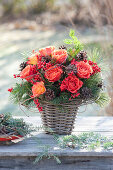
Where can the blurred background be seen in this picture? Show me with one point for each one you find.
(31, 24)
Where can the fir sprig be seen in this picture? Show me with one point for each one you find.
(21, 92)
(97, 56)
(103, 99)
(92, 83)
(89, 141)
(62, 98)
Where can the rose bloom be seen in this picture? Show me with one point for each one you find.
(84, 70)
(53, 73)
(38, 88)
(60, 55)
(25, 73)
(71, 83)
(33, 59)
(46, 51)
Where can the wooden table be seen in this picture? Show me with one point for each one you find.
(20, 156)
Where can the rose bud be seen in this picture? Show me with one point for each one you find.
(25, 73)
(46, 51)
(60, 55)
(38, 88)
(33, 59)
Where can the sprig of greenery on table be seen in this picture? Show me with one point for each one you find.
(89, 141)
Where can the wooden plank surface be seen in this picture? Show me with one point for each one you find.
(29, 146)
(20, 156)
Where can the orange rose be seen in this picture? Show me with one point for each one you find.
(84, 70)
(60, 55)
(25, 73)
(33, 59)
(38, 88)
(46, 51)
(53, 73)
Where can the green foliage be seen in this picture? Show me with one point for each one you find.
(97, 56)
(72, 33)
(21, 93)
(103, 99)
(63, 98)
(88, 141)
(73, 41)
(47, 154)
(68, 41)
(14, 126)
(46, 148)
(92, 83)
(108, 145)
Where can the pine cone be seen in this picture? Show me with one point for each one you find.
(71, 68)
(3, 130)
(23, 65)
(49, 94)
(82, 55)
(100, 85)
(1, 116)
(62, 47)
(46, 59)
(86, 93)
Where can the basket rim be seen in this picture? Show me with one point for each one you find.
(77, 101)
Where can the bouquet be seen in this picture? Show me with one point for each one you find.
(58, 81)
(60, 76)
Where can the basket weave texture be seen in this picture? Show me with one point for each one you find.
(60, 120)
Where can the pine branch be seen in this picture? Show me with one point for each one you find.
(103, 100)
(14, 126)
(88, 141)
(62, 98)
(22, 92)
(96, 56)
(92, 83)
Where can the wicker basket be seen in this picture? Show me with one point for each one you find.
(60, 120)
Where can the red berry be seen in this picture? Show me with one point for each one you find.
(14, 76)
(10, 90)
